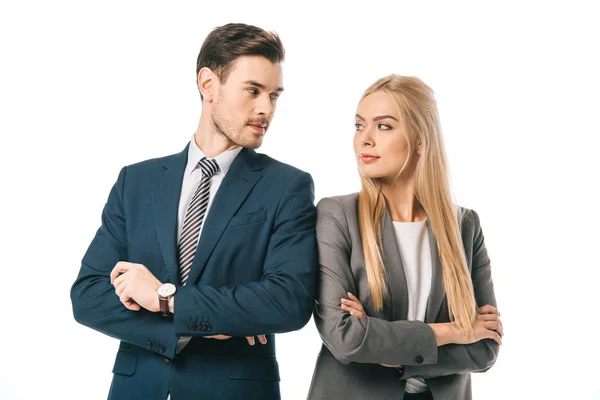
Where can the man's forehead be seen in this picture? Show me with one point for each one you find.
(257, 71)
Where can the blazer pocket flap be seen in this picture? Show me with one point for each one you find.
(125, 363)
(249, 218)
(260, 368)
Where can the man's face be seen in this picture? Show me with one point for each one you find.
(245, 104)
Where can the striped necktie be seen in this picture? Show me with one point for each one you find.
(194, 218)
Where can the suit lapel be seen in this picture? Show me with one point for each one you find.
(437, 293)
(166, 207)
(243, 174)
(394, 270)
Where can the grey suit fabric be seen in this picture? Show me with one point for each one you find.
(347, 366)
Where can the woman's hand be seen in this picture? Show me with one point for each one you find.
(353, 306)
(487, 325)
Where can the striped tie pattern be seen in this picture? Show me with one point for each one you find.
(194, 217)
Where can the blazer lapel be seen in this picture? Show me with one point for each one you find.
(394, 270)
(243, 174)
(166, 207)
(437, 293)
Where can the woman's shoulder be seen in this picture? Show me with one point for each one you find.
(338, 205)
(468, 218)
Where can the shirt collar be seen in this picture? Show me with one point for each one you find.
(224, 159)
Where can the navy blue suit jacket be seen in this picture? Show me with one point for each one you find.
(254, 272)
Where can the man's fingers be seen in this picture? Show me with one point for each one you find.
(133, 306)
(119, 288)
(124, 297)
(250, 340)
(129, 303)
(120, 268)
(118, 280)
(262, 339)
(218, 337)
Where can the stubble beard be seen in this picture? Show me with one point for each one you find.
(234, 136)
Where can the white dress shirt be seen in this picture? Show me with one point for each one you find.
(193, 175)
(191, 179)
(414, 247)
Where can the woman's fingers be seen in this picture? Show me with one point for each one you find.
(353, 311)
(488, 309)
(353, 304)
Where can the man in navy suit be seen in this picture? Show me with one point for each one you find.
(199, 252)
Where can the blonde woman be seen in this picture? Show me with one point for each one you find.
(406, 306)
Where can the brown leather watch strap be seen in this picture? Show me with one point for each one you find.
(164, 305)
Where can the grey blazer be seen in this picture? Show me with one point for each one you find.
(348, 364)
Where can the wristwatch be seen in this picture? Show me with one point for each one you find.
(165, 292)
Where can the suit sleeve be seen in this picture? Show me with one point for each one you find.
(350, 339)
(282, 300)
(93, 297)
(479, 356)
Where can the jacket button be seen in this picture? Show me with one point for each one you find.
(208, 327)
(192, 326)
(419, 359)
(167, 361)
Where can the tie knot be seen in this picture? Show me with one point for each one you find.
(209, 166)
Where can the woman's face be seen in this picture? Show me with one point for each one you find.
(381, 142)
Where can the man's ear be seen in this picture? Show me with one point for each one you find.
(208, 83)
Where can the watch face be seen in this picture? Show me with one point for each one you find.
(166, 290)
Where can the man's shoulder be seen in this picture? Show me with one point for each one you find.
(281, 174)
(274, 166)
(153, 163)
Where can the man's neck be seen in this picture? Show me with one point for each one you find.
(209, 141)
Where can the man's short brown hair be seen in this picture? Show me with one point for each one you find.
(226, 43)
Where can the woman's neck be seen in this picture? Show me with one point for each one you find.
(402, 203)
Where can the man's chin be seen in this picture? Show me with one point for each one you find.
(253, 143)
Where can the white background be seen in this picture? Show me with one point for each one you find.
(87, 87)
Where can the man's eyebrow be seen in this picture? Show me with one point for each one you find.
(261, 86)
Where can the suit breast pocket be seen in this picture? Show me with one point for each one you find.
(254, 217)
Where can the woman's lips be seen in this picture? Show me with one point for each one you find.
(367, 158)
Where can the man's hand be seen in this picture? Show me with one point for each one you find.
(261, 338)
(136, 286)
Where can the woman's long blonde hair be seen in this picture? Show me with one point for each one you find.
(417, 106)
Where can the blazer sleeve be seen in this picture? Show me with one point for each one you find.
(479, 356)
(350, 339)
(282, 300)
(93, 297)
